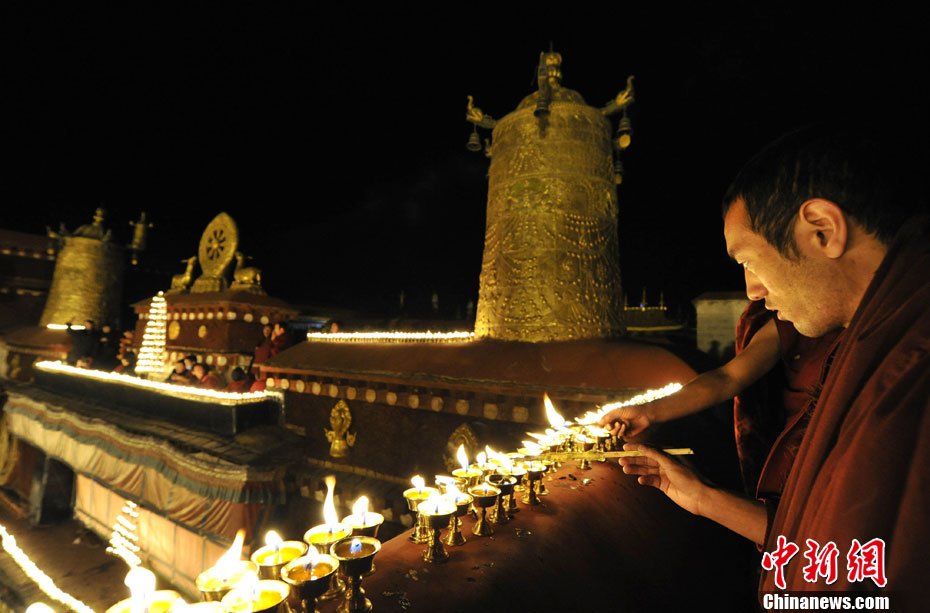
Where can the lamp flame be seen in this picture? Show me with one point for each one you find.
(461, 457)
(481, 459)
(453, 491)
(555, 420)
(360, 507)
(355, 546)
(273, 539)
(141, 584)
(329, 505)
(229, 561)
(500, 458)
(434, 499)
(418, 482)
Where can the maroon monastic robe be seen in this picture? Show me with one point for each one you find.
(771, 415)
(863, 468)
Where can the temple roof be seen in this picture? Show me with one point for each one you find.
(591, 365)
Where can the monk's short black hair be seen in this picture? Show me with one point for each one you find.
(861, 169)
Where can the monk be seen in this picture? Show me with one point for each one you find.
(205, 378)
(829, 239)
(772, 404)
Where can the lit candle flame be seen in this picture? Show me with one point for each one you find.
(229, 561)
(647, 396)
(273, 539)
(500, 458)
(313, 554)
(249, 584)
(555, 420)
(481, 459)
(39, 607)
(453, 491)
(355, 546)
(360, 508)
(461, 457)
(141, 584)
(329, 505)
(418, 483)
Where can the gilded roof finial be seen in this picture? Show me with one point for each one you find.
(95, 230)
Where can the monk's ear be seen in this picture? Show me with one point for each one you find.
(821, 228)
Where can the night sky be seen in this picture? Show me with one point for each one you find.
(337, 141)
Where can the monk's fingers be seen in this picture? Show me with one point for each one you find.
(651, 454)
(616, 428)
(651, 480)
(638, 461)
(641, 470)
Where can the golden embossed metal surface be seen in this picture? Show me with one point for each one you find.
(463, 435)
(87, 283)
(218, 246)
(550, 269)
(340, 439)
(9, 451)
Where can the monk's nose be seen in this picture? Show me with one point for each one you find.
(754, 288)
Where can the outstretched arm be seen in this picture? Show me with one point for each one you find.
(745, 516)
(705, 390)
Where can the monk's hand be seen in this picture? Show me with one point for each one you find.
(662, 472)
(627, 421)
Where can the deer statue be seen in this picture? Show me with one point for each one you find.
(181, 283)
(247, 278)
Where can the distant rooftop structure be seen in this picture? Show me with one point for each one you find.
(717, 316)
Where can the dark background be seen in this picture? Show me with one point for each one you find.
(336, 141)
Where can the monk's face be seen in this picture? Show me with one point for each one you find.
(802, 291)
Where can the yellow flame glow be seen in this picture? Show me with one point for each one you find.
(481, 459)
(141, 584)
(502, 459)
(647, 396)
(462, 457)
(329, 505)
(273, 539)
(391, 337)
(452, 490)
(228, 563)
(361, 506)
(183, 391)
(555, 420)
(418, 482)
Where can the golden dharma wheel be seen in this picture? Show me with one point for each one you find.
(218, 245)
